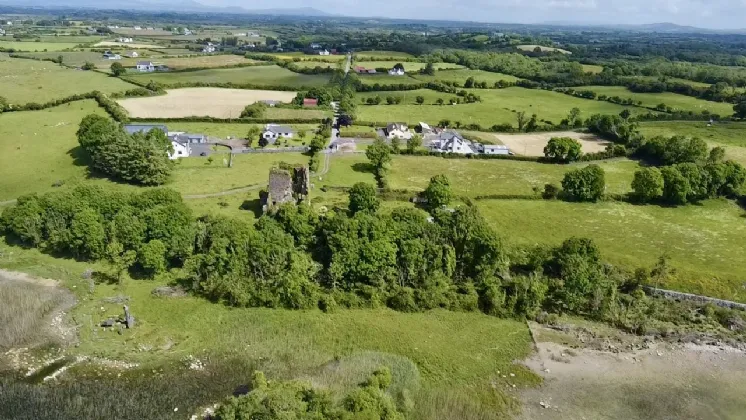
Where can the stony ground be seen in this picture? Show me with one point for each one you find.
(656, 380)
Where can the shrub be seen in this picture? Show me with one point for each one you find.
(551, 192)
(586, 184)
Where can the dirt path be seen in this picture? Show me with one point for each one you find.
(663, 381)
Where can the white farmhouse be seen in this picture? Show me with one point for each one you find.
(181, 148)
(324, 52)
(397, 130)
(145, 66)
(452, 142)
(273, 132)
(133, 54)
(396, 72)
(124, 40)
(112, 56)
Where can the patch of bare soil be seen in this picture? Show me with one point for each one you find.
(654, 380)
(200, 102)
(533, 144)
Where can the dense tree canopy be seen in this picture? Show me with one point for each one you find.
(562, 150)
(586, 184)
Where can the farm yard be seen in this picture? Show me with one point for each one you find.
(23, 81)
(652, 100)
(533, 144)
(270, 75)
(211, 102)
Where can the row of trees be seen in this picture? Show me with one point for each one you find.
(141, 158)
(149, 231)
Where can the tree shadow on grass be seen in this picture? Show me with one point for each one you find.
(254, 206)
(80, 157)
(363, 167)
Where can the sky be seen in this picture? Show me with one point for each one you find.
(717, 14)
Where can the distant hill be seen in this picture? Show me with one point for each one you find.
(664, 27)
(160, 5)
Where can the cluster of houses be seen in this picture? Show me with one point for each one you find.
(180, 141)
(441, 140)
(209, 48)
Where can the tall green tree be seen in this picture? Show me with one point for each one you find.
(363, 197)
(379, 156)
(438, 193)
(586, 184)
(647, 184)
(117, 69)
(563, 150)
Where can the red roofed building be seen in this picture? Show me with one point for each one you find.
(310, 102)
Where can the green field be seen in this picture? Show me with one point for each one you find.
(675, 101)
(37, 46)
(408, 96)
(460, 76)
(445, 375)
(671, 80)
(76, 58)
(258, 75)
(202, 61)
(729, 135)
(701, 241)
(385, 54)
(497, 107)
(23, 81)
(543, 48)
(409, 67)
(590, 68)
(386, 79)
(39, 148)
(311, 57)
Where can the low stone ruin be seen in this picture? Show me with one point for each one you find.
(127, 320)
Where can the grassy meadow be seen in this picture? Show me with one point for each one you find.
(202, 61)
(23, 81)
(32, 46)
(729, 135)
(674, 100)
(384, 54)
(498, 106)
(409, 66)
(39, 148)
(460, 76)
(441, 373)
(73, 58)
(259, 75)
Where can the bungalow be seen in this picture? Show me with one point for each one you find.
(188, 137)
(124, 40)
(133, 54)
(324, 52)
(145, 66)
(396, 72)
(272, 132)
(112, 56)
(452, 142)
(397, 130)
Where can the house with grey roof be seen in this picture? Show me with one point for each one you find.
(273, 132)
(399, 130)
(145, 66)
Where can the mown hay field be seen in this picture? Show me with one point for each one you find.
(130, 45)
(533, 144)
(409, 66)
(23, 81)
(211, 102)
(203, 61)
(257, 75)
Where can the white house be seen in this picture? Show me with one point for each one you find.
(133, 54)
(452, 142)
(111, 56)
(272, 132)
(145, 66)
(324, 52)
(397, 130)
(124, 40)
(208, 49)
(396, 72)
(2, 31)
(137, 28)
(181, 148)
